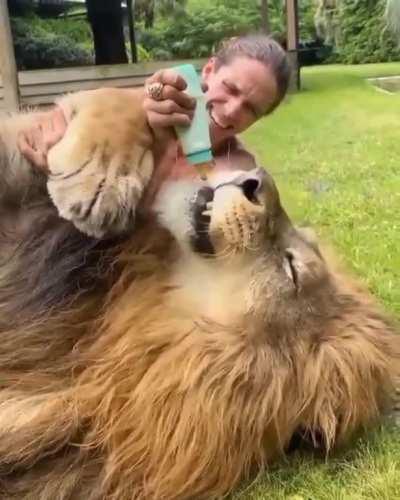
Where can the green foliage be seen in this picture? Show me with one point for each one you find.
(306, 20)
(143, 55)
(251, 9)
(50, 43)
(364, 37)
(392, 15)
(197, 31)
(76, 30)
(170, 8)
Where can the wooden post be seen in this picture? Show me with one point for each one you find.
(292, 30)
(8, 67)
(130, 4)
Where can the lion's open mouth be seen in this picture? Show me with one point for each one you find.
(201, 221)
(232, 197)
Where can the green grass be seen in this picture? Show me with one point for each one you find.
(334, 151)
(370, 470)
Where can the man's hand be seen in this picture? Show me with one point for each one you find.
(173, 107)
(48, 128)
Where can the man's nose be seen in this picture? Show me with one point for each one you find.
(233, 109)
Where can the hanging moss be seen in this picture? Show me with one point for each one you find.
(364, 36)
(392, 15)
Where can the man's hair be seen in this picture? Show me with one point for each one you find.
(262, 48)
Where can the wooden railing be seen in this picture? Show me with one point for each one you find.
(42, 87)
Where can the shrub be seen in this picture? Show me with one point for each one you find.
(39, 44)
(363, 35)
(196, 33)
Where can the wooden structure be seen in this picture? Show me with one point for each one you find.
(7, 62)
(42, 87)
(292, 41)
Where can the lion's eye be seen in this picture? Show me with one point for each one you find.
(290, 267)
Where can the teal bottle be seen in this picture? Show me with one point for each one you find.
(195, 138)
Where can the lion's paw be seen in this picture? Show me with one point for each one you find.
(100, 168)
(101, 193)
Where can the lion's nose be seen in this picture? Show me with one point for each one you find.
(252, 182)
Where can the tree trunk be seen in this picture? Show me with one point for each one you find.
(392, 14)
(105, 18)
(292, 34)
(149, 14)
(131, 21)
(265, 24)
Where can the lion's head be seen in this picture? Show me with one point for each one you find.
(240, 255)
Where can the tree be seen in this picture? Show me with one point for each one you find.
(392, 15)
(106, 21)
(146, 9)
(265, 24)
(363, 37)
(170, 7)
(326, 21)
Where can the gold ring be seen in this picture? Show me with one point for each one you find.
(154, 90)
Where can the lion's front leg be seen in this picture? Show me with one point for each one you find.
(99, 170)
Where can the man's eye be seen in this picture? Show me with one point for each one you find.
(252, 111)
(230, 87)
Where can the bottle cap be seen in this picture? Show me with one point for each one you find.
(200, 157)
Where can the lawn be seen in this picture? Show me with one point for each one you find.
(334, 151)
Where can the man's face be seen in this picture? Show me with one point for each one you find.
(238, 94)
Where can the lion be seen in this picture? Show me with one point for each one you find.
(173, 352)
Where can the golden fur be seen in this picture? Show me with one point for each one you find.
(174, 363)
(99, 170)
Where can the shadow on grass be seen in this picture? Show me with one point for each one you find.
(364, 469)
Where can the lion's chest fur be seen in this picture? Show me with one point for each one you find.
(211, 290)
